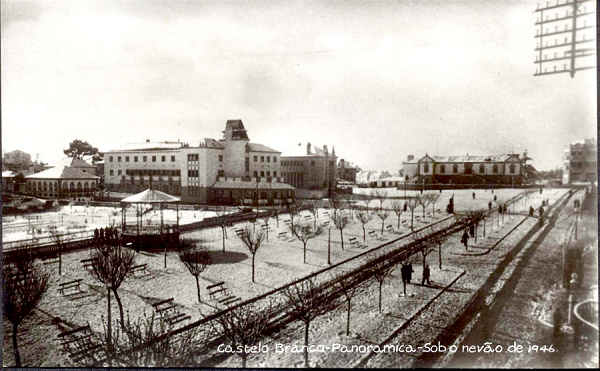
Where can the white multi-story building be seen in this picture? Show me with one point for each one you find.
(580, 162)
(214, 171)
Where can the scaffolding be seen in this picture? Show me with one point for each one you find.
(567, 30)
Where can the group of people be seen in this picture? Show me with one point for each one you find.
(106, 233)
(407, 270)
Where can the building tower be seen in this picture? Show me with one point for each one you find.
(235, 140)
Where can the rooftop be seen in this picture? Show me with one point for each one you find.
(256, 147)
(61, 172)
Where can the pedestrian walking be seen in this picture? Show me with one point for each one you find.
(490, 205)
(472, 230)
(473, 195)
(404, 273)
(465, 239)
(409, 272)
(531, 210)
(426, 274)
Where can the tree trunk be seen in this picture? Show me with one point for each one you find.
(306, 344)
(484, 223)
(108, 318)
(380, 285)
(411, 220)
(440, 255)
(398, 222)
(329, 246)
(60, 260)
(16, 345)
(165, 255)
(342, 238)
(433, 211)
(304, 243)
(253, 256)
(404, 286)
(223, 234)
(364, 234)
(382, 224)
(198, 288)
(348, 319)
(120, 307)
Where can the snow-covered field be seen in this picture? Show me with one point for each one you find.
(278, 262)
(70, 219)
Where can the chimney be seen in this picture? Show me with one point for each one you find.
(308, 148)
(147, 140)
(410, 157)
(325, 149)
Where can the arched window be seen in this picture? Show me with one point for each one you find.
(495, 169)
(512, 168)
(442, 169)
(86, 186)
(455, 168)
(72, 186)
(79, 186)
(481, 169)
(426, 167)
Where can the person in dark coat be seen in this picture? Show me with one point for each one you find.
(96, 233)
(490, 205)
(426, 274)
(472, 230)
(473, 195)
(495, 198)
(465, 239)
(404, 273)
(531, 210)
(409, 272)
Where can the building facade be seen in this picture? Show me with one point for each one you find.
(468, 169)
(313, 170)
(62, 182)
(195, 173)
(347, 171)
(580, 162)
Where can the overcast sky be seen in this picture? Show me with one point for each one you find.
(376, 79)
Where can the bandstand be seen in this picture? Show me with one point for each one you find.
(149, 236)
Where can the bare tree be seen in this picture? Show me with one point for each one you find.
(112, 263)
(222, 220)
(294, 210)
(265, 219)
(381, 270)
(340, 221)
(196, 261)
(424, 201)
(335, 204)
(126, 345)
(364, 217)
(438, 240)
(382, 214)
(412, 204)
(304, 232)
(349, 290)
(398, 208)
(24, 285)
(313, 208)
(253, 240)
(307, 303)
(433, 199)
(244, 326)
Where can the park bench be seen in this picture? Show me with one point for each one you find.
(284, 237)
(355, 242)
(139, 268)
(87, 263)
(163, 306)
(69, 285)
(231, 300)
(372, 234)
(217, 288)
(389, 228)
(178, 317)
(78, 342)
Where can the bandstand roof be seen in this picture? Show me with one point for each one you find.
(150, 196)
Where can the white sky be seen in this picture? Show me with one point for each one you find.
(376, 79)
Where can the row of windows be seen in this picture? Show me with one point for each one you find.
(512, 168)
(196, 157)
(145, 172)
(142, 181)
(236, 194)
(296, 163)
(262, 158)
(44, 186)
(144, 158)
(262, 173)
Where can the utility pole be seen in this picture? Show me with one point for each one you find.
(570, 20)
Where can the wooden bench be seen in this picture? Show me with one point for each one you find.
(389, 228)
(68, 285)
(231, 300)
(164, 305)
(83, 329)
(217, 288)
(178, 318)
(87, 263)
(284, 237)
(372, 234)
(139, 268)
